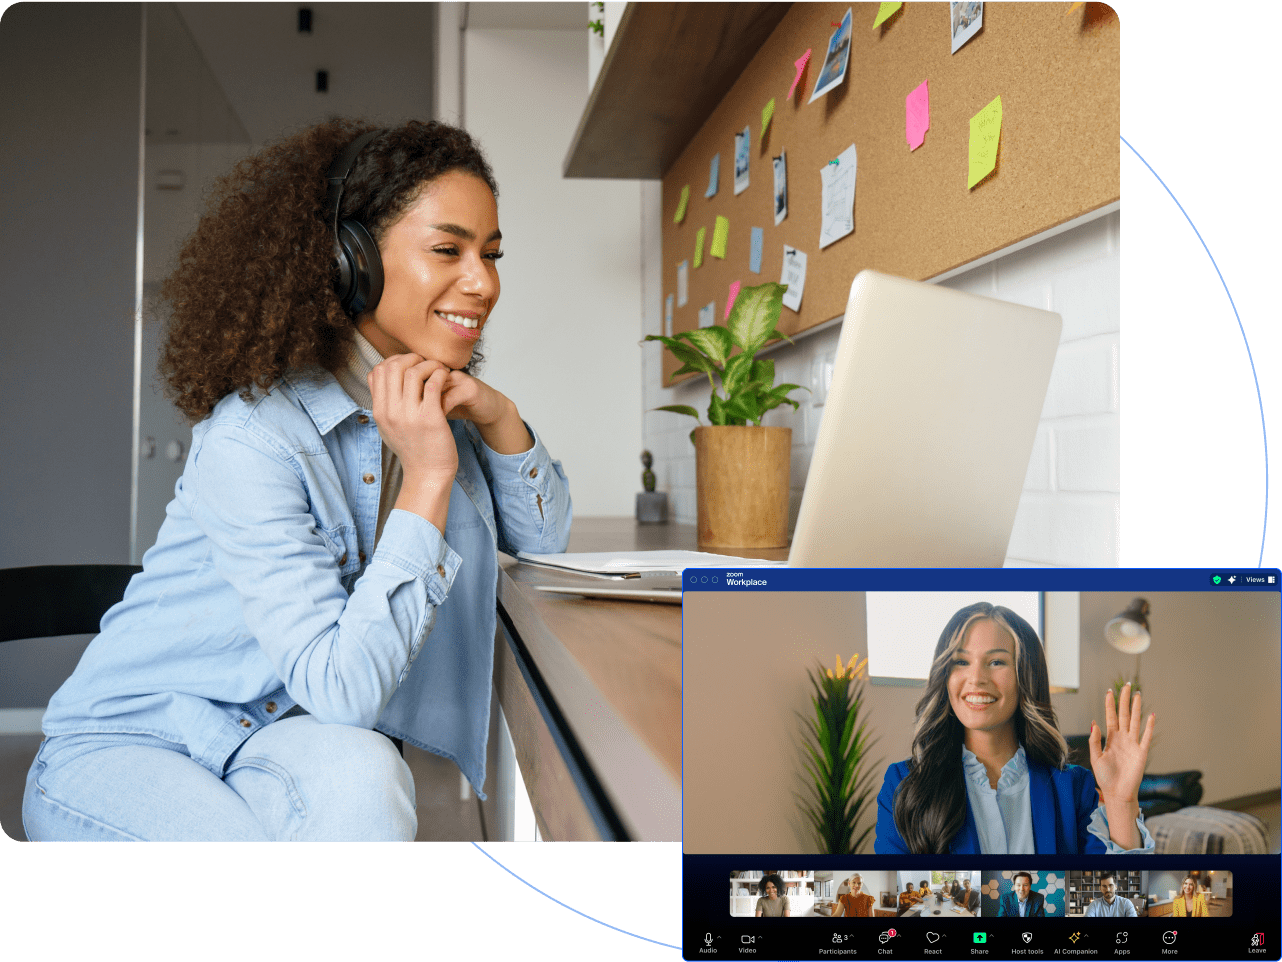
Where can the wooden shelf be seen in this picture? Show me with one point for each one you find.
(667, 68)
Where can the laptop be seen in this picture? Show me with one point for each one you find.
(926, 434)
(927, 428)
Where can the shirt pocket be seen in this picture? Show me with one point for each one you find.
(343, 544)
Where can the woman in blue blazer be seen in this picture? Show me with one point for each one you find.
(988, 771)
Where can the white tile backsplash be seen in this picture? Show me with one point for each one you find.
(1068, 514)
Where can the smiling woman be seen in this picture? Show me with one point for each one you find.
(326, 571)
(988, 771)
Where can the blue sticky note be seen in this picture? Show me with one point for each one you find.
(754, 256)
(714, 175)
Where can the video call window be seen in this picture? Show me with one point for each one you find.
(1057, 654)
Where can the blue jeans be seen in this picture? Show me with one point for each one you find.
(295, 780)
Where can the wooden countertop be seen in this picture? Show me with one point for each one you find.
(614, 670)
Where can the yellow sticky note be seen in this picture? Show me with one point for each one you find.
(1073, 6)
(767, 112)
(985, 134)
(698, 247)
(681, 205)
(719, 234)
(883, 14)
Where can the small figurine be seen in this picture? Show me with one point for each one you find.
(652, 505)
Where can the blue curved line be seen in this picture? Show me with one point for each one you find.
(1254, 375)
(570, 907)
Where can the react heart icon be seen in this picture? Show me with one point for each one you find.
(932, 936)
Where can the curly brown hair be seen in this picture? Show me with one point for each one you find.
(252, 296)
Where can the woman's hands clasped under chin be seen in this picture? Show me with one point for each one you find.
(414, 399)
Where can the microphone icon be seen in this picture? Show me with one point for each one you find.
(707, 939)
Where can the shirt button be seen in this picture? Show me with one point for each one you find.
(367, 478)
(270, 706)
(343, 560)
(440, 570)
(362, 419)
(361, 555)
(246, 723)
(534, 472)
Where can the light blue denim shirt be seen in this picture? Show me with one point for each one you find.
(264, 589)
(1004, 815)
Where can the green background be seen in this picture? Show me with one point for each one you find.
(1200, 104)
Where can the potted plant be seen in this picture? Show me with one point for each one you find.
(741, 466)
(836, 760)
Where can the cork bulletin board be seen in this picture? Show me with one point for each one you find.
(1056, 71)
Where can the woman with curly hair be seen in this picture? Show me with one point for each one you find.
(324, 580)
(988, 772)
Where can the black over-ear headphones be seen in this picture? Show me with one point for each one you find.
(360, 270)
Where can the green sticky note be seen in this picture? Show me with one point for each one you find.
(681, 205)
(698, 247)
(767, 112)
(719, 234)
(883, 14)
(985, 134)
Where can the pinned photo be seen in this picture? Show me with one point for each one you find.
(838, 57)
(781, 187)
(967, 20)
(742, 144)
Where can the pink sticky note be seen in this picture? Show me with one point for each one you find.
(730, 298)
(800, 65)
(917, 116)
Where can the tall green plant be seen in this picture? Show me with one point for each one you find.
(836, 759)
(749, 384)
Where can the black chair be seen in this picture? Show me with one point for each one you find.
(45, 601)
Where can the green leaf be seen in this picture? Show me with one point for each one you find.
(764, 372)
(714, 342)
(686, 354)
(745, 407)
(736, 374)
(717, 410)
(755, 315)
(679, 409)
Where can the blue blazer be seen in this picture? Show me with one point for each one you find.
(1062, 805)
(1009, 906)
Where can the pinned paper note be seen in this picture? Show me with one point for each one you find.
(754, 255)
(708, 315)
(794, 275)
(985, 135)
(730, 298)
(917, 115)
(780, 164)
(698, 246)
(681, 205)
(667, 316)
(767, 112)
(683, 284)
(966, 20)
(884, 13)
(720, 232)
(1074, 6)
(742, 147)
(714, 176)
(838, 197)
(800, 64)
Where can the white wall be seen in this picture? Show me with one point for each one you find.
(563, 341)
(1068, 512)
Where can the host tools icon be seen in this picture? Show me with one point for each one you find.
(1026, 936)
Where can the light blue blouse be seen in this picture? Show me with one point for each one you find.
(1004, 815)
